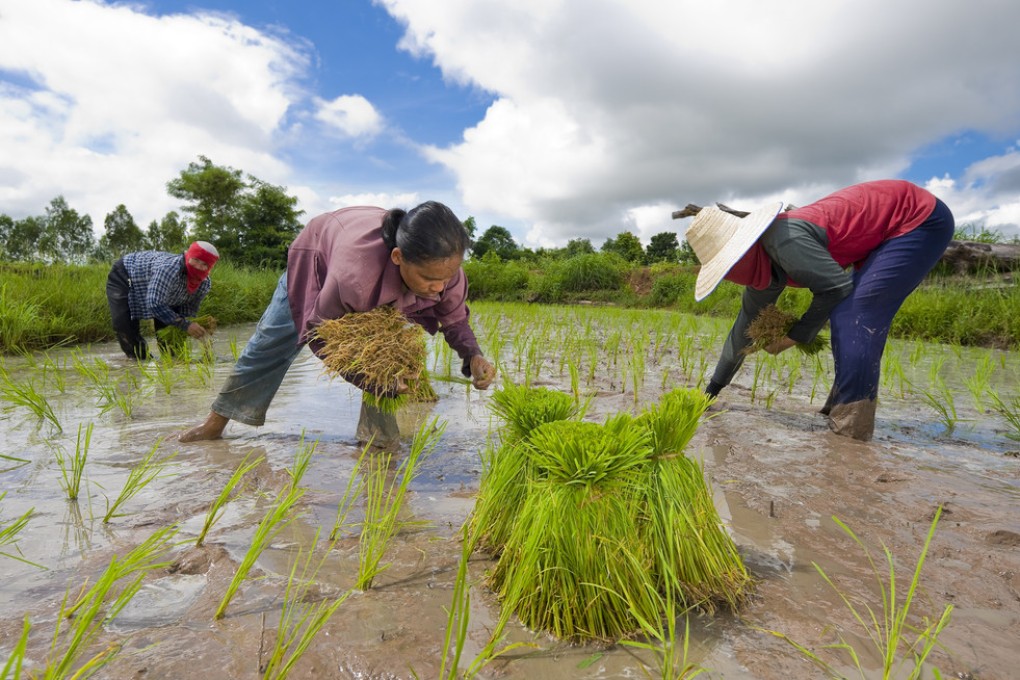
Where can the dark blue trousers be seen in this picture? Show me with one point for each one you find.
(860, 323)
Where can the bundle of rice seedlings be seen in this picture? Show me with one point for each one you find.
(594, 524)
(507, 469)
(572, 560)
(696, 561)
(174, 341)
(377, 348)
(772, 324)
(524, 408)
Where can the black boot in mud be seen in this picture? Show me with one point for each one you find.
(856, 419)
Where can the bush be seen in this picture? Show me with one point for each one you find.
(491, 279)
(589, 272)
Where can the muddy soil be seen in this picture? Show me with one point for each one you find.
(779, 475)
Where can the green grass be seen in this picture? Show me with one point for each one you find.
(44, 306)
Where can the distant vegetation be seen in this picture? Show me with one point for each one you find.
(53, 269)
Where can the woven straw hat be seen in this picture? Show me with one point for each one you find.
(720, 239)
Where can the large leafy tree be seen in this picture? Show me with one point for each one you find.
(662, 247)
(626, 245)
(497, 240)
(249, 221)
(122, 234)
(213, 196)
(170, 234)
(67, 236)
(270, 224)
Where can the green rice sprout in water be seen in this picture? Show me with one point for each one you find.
(102, 603)
(72, 468)
(279, 515)
(886, 627)
(384, 500)
(249, 463)
(9, 535)
(27, 395)
(141, 475)
(300, 620)
(1010, 410)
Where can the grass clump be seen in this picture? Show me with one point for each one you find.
(773, 324)
(650, 531)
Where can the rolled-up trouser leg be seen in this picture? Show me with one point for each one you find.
(128, 330)
(860, 323)
(263, 363)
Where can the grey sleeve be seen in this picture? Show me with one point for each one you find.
(800, 249)
(752, 302)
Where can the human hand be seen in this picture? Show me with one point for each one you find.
(482, 372)
(403, 383)
(781, 345)
(197, 331)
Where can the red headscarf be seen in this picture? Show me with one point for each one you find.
(754, 269)
(204, 251)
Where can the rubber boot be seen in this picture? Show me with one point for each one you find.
(377, 427)
(826, 408)
(856, 419)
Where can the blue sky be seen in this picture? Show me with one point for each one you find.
(557, 119)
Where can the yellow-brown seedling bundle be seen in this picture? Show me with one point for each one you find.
(376, 348)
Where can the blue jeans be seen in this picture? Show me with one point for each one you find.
(860, 323)
(259, 371)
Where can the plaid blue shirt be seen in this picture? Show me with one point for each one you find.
(159, 288)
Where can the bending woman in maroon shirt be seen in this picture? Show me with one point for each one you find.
(354, 260)
(890, 232)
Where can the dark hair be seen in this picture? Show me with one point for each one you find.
(426, 233)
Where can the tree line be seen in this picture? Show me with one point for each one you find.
(664, 247)
(252, 223)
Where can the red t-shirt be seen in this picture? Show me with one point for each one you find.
(859, 218)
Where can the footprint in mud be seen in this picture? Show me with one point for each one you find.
(1004, 537)
(197, 560)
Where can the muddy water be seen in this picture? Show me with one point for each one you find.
(779, 477)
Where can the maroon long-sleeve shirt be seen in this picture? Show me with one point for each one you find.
(340, 264)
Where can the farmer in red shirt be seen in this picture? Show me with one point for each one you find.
(354, 260)
(890, 232)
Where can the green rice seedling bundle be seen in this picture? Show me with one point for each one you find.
(773, 324)
(375, 350)
(174, 341)
(596, 525)
(506, 469)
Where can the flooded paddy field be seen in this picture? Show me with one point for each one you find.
(779, 476)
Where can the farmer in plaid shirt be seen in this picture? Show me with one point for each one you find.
(165, 287)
